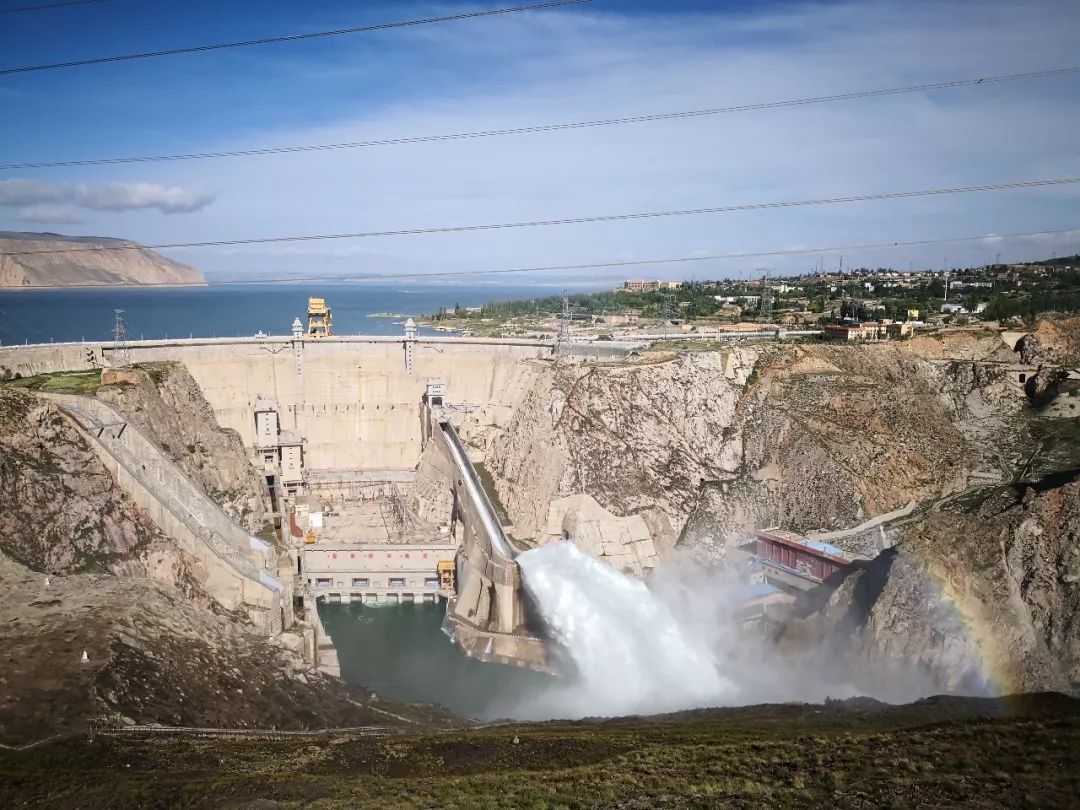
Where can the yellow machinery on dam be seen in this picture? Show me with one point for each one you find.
(319, 318)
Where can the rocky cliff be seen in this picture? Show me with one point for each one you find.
(712, 444)
(1054, 341)
(980, 596)
(51, 260)
(60, 509)
(166, 403)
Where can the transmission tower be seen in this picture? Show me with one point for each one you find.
(120, 340)
(667, 306)
(766, 297)
(564, 325)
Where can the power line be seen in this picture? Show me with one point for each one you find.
(363, 29)
(677, 260)
(723, 209)
(46, 6)
(602, 122)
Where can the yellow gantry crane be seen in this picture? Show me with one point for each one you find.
(318, 318)
(447, 575)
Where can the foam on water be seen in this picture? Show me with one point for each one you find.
(631, 649)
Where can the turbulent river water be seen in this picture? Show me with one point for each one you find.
(624, 648)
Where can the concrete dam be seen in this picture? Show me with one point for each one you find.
(367, 446)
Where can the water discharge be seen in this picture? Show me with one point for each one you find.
(632, 648)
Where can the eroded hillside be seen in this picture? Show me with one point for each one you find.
(61, 511)
(166, 403)
(155, 656)
(805, 436)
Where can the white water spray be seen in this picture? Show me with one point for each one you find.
(632, 651)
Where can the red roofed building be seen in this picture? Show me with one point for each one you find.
(811, 559)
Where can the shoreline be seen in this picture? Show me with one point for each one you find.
(44, 288)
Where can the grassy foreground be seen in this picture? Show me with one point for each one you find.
(942, 751)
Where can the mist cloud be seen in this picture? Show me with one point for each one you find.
(19, 193)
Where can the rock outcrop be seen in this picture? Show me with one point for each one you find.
(639, 439)
(52, 260)
(716, 443)
(166, 403)
(61, 511)
(1054, 341)
(980, 597)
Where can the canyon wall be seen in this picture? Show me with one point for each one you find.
(61, 511)
(981, 596)
(706, 446)
(976, 589)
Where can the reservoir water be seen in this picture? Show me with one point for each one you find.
(230, 310)
(401, 653)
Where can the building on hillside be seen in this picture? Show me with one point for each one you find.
(883, 329)
(872, 330)
(670, 285)
(620, 319)
(811, 561)
(641, 286)
(899, 331)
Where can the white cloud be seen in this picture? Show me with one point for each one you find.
(19, 193)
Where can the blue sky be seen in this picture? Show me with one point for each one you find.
(597, 60)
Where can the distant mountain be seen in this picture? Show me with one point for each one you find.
(52, 260)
